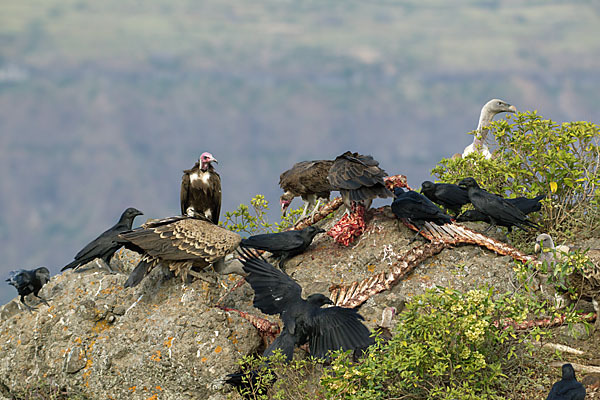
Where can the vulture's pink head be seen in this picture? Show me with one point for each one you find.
(205, 160)
(285, 200)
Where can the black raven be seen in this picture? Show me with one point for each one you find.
(526, 205)
(105, 245)
(283, 245)
(417, 208)
(449, 196)
(498, 210)
(324, 329)
(567, 388)
(29, 281)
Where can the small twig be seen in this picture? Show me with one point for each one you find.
(559, 347)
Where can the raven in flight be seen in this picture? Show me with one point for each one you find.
(498, 210)
(105, 245)
(567, 388)
(452, 197)
(324, 329)
(29, 281)
(283, 245)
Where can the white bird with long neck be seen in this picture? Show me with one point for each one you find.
(489, 110)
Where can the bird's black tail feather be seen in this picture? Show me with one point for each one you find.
(138, 273)
(72, 264)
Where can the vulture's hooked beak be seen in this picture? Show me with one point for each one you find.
(512, 109)
(537, 248)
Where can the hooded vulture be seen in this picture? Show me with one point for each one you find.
(201, 189)
(307, 179)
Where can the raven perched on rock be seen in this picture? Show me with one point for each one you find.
(29, 281)
(526, 205)
(449, 196)
(324, 329)
(498, 210)
(105, 245)
(417, 208)
(283, 245)
(567, 388)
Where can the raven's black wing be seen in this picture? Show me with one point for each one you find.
(472, 215)
(526, 205)
(282, 241)
(274, 290)
(336, 328)
(451, 195)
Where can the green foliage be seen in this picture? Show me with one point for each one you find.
(558, 275)
(253, 220)
(536, 156)
(298, 379)
(447, 345)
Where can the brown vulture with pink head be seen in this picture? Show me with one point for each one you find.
(307, 179)
(201, 189)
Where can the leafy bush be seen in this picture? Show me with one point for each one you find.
(298, 379)
(447, 345)
(536, 156)
(253, 220)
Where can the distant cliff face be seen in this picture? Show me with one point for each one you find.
(168, 340)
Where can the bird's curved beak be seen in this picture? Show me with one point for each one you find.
(512, 109)
(214, 160)
(329, 301)
(537, 248)
(284, 208)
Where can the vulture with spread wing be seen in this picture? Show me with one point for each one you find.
(307, 179)
(358, 179)
(201, 189)
(180, 243)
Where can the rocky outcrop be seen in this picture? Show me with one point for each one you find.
(167, 340)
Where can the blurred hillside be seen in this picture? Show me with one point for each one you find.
(103, 104)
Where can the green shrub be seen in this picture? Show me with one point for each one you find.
(447, 345)
(253, 220)
(537, 156)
